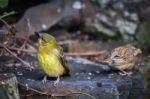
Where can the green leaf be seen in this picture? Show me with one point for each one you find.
(6, 14)
(3, 3)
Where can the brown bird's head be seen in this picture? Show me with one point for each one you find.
(134, 50)
(137, 51)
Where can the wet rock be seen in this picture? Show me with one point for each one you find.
(99, 86)
(119, 6)
(113, 19)
(110, 24)
(102, 29)
(131, 16)
(125, 26)
(102, 3)
(42, 17)
(145, 13)
(88, 78)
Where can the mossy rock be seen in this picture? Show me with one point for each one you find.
(143, 35)
(145, 71)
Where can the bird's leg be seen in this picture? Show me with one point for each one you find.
(124, 72)
(44, 79)
(57, 81)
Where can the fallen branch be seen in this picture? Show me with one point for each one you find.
(6, 24)
(86, 53)
(64, 42)
(24, 62)
(66, 54)
(56, 94)
(17, 49)
(28, 40)
(7, 14)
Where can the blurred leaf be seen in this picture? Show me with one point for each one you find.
(144, 32)
(3, 3)
(6, 14)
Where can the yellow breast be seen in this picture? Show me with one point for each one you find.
(50, 64)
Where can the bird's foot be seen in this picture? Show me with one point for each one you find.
(44, 80)
(57, 81)
(124, 73)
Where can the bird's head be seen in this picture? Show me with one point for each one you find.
(134, 50)
(45, 39)
(137, 51)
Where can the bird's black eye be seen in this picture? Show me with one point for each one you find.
(38, 34)
(43, 39)
(116, 56)
(133, 50)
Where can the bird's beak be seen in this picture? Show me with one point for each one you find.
(38, 34)
(138, 51)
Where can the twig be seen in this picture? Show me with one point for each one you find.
(18, 49)
(27, 95)
(28, 40)
(6, 24)
(83, 93)
(64, 42)
(7, 14)
(86, 54)
(66, 54)
(25, 63)
(32, 89)
(27, 36)
(57, 95)
(9, 28)
(3, 31)
(12, 36)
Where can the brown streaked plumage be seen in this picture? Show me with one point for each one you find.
(123, 57)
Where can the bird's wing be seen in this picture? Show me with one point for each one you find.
(59, 53)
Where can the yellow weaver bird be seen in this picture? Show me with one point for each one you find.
(50, 57)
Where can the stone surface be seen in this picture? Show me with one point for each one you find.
(86, 78)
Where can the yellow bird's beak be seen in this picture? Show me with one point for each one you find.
(38, 34)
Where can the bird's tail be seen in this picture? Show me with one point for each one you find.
(105, 61)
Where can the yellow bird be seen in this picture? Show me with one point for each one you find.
(123, 57)
(50, 57)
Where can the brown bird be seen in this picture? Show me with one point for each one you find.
(123, 58)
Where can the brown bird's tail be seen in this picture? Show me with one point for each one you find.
(105, 61)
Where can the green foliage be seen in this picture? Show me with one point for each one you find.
(95, 1)
(143, 35)
(6, 14)
(3, 3)
(144, 69)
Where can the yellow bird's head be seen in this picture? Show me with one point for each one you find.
(46, 41)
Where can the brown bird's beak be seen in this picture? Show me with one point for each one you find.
(138, 51)
(38, 34)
